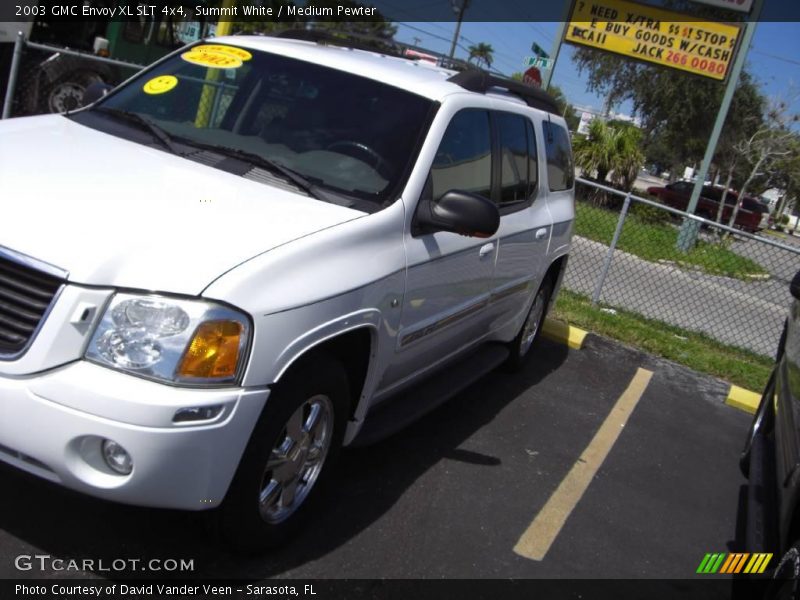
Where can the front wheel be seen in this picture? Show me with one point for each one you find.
(531, 328)
(289, 457)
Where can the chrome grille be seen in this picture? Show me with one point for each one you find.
(25, 295)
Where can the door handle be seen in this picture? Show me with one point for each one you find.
(486, 249)
(540, 233)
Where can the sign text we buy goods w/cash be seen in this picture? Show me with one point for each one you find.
(655, 35)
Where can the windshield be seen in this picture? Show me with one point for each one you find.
(343, 133)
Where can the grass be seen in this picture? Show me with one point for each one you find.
(656, 241)
(694, 350)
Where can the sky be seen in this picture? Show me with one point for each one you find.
(774, 55)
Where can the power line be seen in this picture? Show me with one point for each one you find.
(776, 57)
(433, 35)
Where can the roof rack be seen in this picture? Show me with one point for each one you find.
(479, 81)
(348, 40)
(371, 43)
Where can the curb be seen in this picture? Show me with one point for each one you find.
(561, 332)
(564, 333)
(743, 399)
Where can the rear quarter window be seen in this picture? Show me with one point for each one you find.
(560, 170)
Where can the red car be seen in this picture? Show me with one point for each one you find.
(677, 196)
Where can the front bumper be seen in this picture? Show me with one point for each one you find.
(53, 424)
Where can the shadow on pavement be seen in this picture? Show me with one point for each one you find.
(371, 480)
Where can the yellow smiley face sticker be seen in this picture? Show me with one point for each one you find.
(160, 84)
(214, 60)
(239, 53)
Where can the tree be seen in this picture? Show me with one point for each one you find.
(770, 144)
(785, 175)
(565, 109)
(610, 149)
(676, 110)
(482, 53)
(745, 116)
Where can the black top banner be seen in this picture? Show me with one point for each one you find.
(360, 10)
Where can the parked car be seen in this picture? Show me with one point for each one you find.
(230, 265)
(771, 456)
(678, 194)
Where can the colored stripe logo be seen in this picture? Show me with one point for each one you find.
(737, 562)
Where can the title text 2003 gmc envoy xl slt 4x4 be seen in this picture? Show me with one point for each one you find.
(213, 276)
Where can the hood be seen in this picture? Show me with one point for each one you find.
(116, 213)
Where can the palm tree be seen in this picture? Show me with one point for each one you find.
(482, 53)
(610, 149)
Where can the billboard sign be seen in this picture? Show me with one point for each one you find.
(666, 38)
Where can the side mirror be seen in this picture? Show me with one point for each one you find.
(794, 287)
(459, 212)
(95, 91)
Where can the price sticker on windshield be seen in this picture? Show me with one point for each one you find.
(239, 53)
(212, 59)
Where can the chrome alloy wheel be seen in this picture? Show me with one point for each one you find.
(531, 327)
(296, 460)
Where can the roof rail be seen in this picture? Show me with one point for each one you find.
(347, 40)
(479, 81)
(371, 43)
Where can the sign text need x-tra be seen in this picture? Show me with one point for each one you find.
(654, 35)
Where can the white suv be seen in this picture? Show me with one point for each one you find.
(214, 276)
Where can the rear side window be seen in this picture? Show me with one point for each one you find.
(518, 169)
(754, 205)
(681, 187)
(560, 172)
(712, 193)
(464, 158)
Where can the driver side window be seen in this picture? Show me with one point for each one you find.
(464, 158)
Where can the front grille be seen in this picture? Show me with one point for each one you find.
(25, 295)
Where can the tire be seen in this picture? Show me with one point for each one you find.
(785, 582)
(66, 94)
(255, 515)
(520, 346)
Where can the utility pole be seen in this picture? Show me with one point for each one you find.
(690, 228)
(458, 9)
(547, 75)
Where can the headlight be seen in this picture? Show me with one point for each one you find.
(181, 341)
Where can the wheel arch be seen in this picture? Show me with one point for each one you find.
(354, 347)
(555, 272)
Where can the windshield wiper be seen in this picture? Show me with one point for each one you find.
(144, 123)
(259, 161)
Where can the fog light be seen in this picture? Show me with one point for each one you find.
(197, 413)
(117, 458)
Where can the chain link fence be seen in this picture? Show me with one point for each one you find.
(48, 79)
(732, 286)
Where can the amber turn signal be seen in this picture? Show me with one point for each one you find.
(214, 351)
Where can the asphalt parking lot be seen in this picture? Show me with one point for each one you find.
(612, 472)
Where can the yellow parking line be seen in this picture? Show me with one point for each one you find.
(544, 529)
